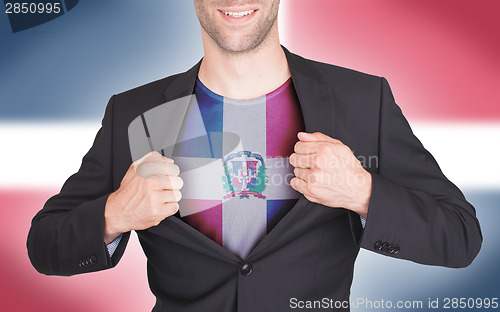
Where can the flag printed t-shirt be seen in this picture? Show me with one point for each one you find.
(240, 187)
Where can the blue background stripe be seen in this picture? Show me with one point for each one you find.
(69, 67)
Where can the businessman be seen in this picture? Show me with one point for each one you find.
(249, 244)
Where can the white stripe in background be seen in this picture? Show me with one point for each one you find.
(468, 153)
(44, 155)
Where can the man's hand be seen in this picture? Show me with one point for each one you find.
(327, 172)
(148, 193)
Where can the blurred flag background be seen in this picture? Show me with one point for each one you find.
(440, 57)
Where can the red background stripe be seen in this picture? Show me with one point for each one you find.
(440, 57)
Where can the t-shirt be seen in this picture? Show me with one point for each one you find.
(234, 163)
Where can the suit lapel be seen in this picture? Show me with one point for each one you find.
(318, 110)
(315, 98)
(183, 84)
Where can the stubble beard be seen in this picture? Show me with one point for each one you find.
(247, 44)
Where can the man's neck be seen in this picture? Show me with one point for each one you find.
(246, 75)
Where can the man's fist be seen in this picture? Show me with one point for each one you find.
(327, 172)
(148, 193)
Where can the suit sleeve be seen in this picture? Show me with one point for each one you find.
(67, 236)
(415, 212)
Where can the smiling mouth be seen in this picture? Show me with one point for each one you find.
(239, 14)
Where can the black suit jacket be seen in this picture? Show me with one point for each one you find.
(415, 213)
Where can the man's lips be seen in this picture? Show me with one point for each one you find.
(237, 15)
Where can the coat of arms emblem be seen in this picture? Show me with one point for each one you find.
(245, 175)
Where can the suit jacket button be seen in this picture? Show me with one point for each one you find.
(83, 263)
(93, 260)
(378, 245)
(246, 269)
(396, 249)
(390, 249)
(384, 246)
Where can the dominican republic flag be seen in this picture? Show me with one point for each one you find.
(233, 157)
(440, 58)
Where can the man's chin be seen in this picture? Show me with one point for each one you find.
(239, 46)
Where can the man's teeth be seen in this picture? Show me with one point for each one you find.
(239, 14)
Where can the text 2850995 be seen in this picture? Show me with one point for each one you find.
(32, 8)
